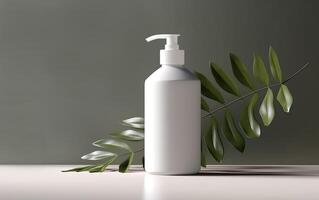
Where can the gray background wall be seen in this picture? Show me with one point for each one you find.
(70, 70)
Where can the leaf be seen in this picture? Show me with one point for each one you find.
(80, 169)
(213, 141)
(99, 155)
(247, 119)
(260, 71)
(267, 110)
(202, 155)
(208, 89)
(204, 105)
(232, 133)
(240, 71)
(98, 168)
(223, 80)
(102, 167)
(284, 97)
(274, 65)
(134, 122)
(124, 166)
(131, 135)
(110, 143)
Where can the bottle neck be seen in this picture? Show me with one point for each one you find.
(171, 57)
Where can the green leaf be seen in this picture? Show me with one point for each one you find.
(208, 89)
(259, 70)
(134, 122)
(223, 80)
(248, 121)
(213, 141)
(274, 65)
(110, 143)
(98, 168)
(284, 97)
(204, 105)
(99, 155)
(102, 167)
(232, 132)
(130, 135)
(267, 110)
(124, 166)
(202, 154)
(80, 169)
(240, 71)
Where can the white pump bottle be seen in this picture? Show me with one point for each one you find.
(172, 114)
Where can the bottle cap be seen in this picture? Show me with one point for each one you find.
(171, 54)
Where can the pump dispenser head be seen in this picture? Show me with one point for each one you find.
(171, 55)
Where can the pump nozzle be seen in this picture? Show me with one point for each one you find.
(171, 40)
(171, 55)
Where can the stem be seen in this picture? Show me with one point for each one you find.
(257, 90)
(297, 72)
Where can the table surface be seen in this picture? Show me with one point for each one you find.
(216, 182)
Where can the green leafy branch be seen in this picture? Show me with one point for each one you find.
(115, 143)
(248, 124)
(232, 129)
(251, 93)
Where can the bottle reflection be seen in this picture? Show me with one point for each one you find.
(155, 187)
(158, 187)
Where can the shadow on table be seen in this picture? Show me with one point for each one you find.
(279, 170)
(253, 170)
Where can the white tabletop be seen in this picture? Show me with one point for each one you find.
(217, 182)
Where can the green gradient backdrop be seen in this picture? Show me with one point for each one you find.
(70, 70)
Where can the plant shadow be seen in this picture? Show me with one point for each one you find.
(259, 170)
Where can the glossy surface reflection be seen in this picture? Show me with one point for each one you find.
(236, 182)
(217, 182)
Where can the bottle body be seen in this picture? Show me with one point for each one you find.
(172, 122)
